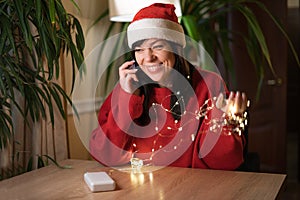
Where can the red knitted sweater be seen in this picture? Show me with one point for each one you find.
(191, 141)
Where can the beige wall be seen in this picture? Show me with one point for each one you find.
(78, 136)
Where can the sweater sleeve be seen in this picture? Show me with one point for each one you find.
(217, 148)
(109, 143)
(220, 148)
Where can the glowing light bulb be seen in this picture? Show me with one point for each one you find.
(232, 109)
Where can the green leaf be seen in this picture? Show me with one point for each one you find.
(191, 27)
(79, 36)
(52, 11)
(56, 163)
(30, 164)
(250, 17)
(34, 35)
(280, 27)
(7, 35)
(5, 130)
(116, 49)
(76, 5)
(57, 100)
(23, 23)
(41, 162)
(39, 11)
(63, 93)
(49, 103)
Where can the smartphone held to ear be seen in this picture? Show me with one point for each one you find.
(134, 66)
(142, 77)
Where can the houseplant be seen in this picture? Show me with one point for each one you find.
(207, 21)
(35, 34)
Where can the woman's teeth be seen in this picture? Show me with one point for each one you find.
(154, 68)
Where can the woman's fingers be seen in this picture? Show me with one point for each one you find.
(124, 69)
(230, 102)
(127, 64)
(128, 77)
(235, 103)
(131, 76)
(134, 77)
(220, 101)
(240, 102)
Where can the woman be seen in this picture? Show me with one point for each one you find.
(164, 111)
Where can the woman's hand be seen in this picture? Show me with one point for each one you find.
(128, 77)
(235, 104)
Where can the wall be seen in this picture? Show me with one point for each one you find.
(86, 99)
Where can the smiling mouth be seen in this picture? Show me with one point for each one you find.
(153, 68)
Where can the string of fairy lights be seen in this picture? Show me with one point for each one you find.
(230, 122)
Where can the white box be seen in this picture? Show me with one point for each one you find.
(99, 181)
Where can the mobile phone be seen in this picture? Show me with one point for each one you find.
(134, 66)
(142, 77)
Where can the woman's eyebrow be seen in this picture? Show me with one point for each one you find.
(159, 40)
(151, 44)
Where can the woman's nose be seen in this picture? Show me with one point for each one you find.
(149, 54)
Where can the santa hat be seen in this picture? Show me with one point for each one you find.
(156, 21)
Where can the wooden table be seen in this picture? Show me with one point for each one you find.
(173, 183)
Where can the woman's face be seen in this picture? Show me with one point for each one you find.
(155, 58)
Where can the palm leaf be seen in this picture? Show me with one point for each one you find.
(30, 60)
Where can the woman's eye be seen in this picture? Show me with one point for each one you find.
(138, 50)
